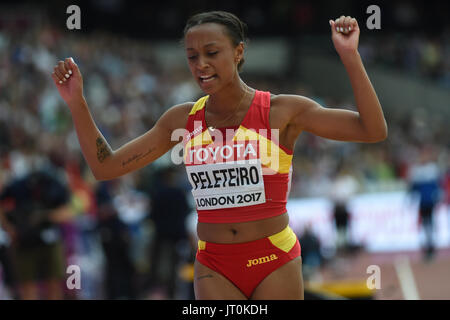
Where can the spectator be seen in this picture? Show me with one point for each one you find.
(169, 211)
(32, 207)
(344, 188)
(115, 239)
(7, 285)
(424, 179)
(311, 254)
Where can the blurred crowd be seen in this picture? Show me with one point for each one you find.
(420, 56)
(114, 226)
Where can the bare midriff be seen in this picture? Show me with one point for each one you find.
(241, 231)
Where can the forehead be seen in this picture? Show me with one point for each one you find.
(205, 34)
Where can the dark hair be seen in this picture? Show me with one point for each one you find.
(235, 28)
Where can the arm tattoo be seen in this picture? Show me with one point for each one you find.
(103, 150)
(137, 157)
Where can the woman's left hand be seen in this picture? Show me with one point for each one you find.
(345, 35)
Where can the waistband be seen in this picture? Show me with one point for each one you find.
(284, 240)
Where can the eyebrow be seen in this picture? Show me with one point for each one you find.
(206, 45)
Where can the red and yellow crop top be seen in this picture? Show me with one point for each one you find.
(238, 174)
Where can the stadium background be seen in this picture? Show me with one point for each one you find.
(134, 68)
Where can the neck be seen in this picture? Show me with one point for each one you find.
(227, 99)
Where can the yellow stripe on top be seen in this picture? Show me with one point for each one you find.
(199, 105)
(284, 240)
(272, 156)
(201, 245)
(200, 139)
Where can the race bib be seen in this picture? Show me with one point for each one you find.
(227, 185)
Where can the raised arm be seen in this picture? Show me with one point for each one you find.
(366, 125)
(104, 162)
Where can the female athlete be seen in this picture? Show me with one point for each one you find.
(240, 182)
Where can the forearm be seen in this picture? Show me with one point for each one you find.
(369, 108)
(94, 146)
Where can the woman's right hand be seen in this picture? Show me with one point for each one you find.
(68, 81)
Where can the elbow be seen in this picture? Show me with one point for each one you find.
(376, 140)
(384, 134)
(380, 136)
(100, 176)
(106, 174)
(103, 177)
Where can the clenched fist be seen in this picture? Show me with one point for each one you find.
(68, 81)
(345, 35)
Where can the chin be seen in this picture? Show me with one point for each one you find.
(209, 89)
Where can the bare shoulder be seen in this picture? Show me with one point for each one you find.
(285, 107)
(286, 102)
(176, 116)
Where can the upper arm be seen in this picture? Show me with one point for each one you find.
(337, 124)
(148, 147)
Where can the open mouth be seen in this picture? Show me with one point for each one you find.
(206, 79)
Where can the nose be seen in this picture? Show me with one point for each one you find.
(202, 63)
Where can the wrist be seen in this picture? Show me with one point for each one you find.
(349, 58)
(76, 103)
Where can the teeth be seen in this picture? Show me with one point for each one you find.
(207, 78)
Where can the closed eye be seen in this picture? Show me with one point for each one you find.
(213, 53)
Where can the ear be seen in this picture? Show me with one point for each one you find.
(239, 52)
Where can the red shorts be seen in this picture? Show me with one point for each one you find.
(247, 264)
